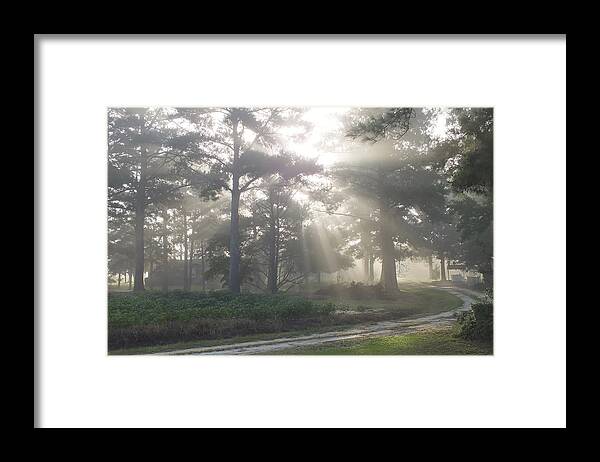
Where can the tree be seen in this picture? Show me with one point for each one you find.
(277, 220)
(240, 146)
(152, 244)
(140, 168)
(467, 158)
(366, 250)
(475, 225)
(147, 167)
(121, 258)
(471, 151)
(218, 251)
(121, 255)
(372, 125)
(325, 248)
(441, 239)
(392, 176)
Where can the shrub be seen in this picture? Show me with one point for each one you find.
(156, 317)
(478, 323)
(156, 307)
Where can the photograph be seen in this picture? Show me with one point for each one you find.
(284, 230)
(296, 231)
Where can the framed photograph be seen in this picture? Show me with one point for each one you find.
(252, 232)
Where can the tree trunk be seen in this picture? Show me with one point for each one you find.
(129, 273)
(272, 275)
(365, 259)
(371, 269)
(430, 263)
(165, 249)
(366, 245)
(388, 267)
(186, 282)
(119, 279)
(140, 210)
(234, 240)
(202, 266)
(273, 257)
(319, 278)
(150, 262)
(139, 243)
(488, 280)
(234, 244)
(191, 263)
(443, 267)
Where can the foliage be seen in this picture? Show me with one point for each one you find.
(154, 318)
(324, 249)
(149, 318)
(277, 221)
(473, 171)
(401, 193)
(394, 175)
(466, 158)
(478, 323)
(474, 222)
(219, 256)
(157, 307)
(370, 125)
(242, 161)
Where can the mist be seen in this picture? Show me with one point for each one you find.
(303, 168)
(360, 212)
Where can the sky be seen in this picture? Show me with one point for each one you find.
(327, 120)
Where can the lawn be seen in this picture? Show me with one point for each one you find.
(431, 342)
(157, 319)
(413, 299)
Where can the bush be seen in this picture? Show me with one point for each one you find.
(478, 323)
(156, 307)
(156, 317)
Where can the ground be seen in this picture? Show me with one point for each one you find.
(408, 325)
(428, 342)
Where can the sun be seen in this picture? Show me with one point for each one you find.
(325, 121)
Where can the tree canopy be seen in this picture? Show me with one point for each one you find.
(265, 199)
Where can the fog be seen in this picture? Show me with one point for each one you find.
(275, 200)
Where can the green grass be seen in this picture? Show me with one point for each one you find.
(412, 300)
(433, 342)
(154, 321)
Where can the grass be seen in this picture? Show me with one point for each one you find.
(432, 342)
(413, 300)
(154, 321)
(145, 350)
(225, 341)
(151, 318)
